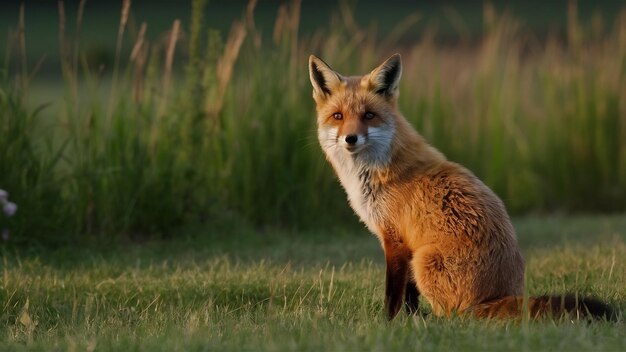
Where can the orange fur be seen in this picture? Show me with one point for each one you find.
(445, 234)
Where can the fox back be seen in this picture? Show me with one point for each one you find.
(444, 233)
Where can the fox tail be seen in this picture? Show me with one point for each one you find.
(546, 306)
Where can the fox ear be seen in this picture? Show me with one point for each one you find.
(323, 78)
(385, 78)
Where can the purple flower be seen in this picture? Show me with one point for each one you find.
(10, 208)
(4, 196)
(5, 235)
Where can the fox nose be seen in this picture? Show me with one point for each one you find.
(351, 139)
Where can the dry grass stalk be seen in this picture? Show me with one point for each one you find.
(79, 22)
(139, 42)
(123, 21)
(286, 29)
(294, 26)
(251, 25)
(64, 54)
(62, 42)
(287, 22)
(118, 48)
(138, 57)
(120, 30)
(225, 66)
(574, 29)
(21, 33)
(280, 24)
(169, 57)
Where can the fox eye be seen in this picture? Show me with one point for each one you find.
(337, 116)
(369, 115)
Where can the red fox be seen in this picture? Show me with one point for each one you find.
(445, 235)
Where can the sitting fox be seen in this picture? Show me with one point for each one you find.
(445, 234)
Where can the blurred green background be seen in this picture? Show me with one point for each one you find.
(453, 21)
(128, 124)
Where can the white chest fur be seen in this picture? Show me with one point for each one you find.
(355, 177)
(352, 180)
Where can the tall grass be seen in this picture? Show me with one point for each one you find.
(230, 137)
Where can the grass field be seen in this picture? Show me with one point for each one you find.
(283, 291)
(189, 125)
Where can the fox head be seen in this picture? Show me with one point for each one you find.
(356, 116)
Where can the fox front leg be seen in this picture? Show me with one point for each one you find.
(411, 297)
(397, 257)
